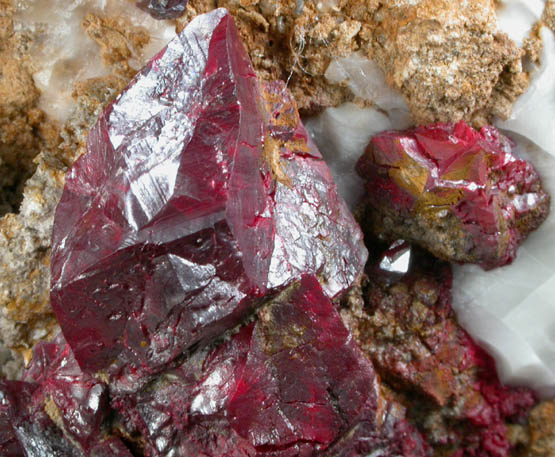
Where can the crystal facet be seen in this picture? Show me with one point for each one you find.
(57, 410)
(457, 192)
(80, 400)
(200, 195)
(292, 383)
(163, 9)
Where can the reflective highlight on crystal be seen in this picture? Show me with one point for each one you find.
(56, 410)
(200, 195)
(292, 383)
(163, 9)
(458, 192)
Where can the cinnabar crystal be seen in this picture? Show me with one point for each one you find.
(200, 196)
(457, 192)
(163, 9)
(57, 410)
(292, 383)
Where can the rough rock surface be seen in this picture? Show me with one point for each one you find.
(548, 16)
(541, 431)
(429, 50)
(458, 192)
(185, 214)
(404, 323)
(25, 315)
(292, 383)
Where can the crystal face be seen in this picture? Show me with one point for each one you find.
(81, 401)
(409, 331)
(293, 383)
(56, 410)
(163, 9)
(455, 191)
(200, 195)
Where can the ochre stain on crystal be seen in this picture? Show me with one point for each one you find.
(457, 192)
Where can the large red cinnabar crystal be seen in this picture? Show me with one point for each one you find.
(200, 196)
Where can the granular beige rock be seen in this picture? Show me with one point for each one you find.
(445, 57)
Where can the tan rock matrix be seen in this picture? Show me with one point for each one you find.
(445, 57)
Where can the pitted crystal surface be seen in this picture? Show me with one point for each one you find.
(200, 195)
(458, 192)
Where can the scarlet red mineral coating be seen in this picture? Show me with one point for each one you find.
(457, 192)
(200, 195)
(293, 383)
(411, 334)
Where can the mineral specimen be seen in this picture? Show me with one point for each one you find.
(81, 401)
(448, 383)
(56, 410)
(292, 383)
(457, 192)
(163, 9)
(200, 196)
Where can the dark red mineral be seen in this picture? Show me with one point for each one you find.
(56, 411)
(81, 401)
(293, 383)
(163, 9)
(448, 384)
(200, 196)
(457, 192)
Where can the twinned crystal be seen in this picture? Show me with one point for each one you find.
(201, 195)
(292, 383)
(458, 192)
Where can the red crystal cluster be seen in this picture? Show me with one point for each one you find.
(457, 192)
(163, 9)
(197, 248)
(200, 196)
(409, 331)
(56, 410)
(293, 383)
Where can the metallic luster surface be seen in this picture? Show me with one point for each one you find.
(200, 196)
(292, 383)
(163, 9)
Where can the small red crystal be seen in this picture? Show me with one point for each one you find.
(200, 195)
(293, 383)
(57, 410)
(459, 193)
(81, 401)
